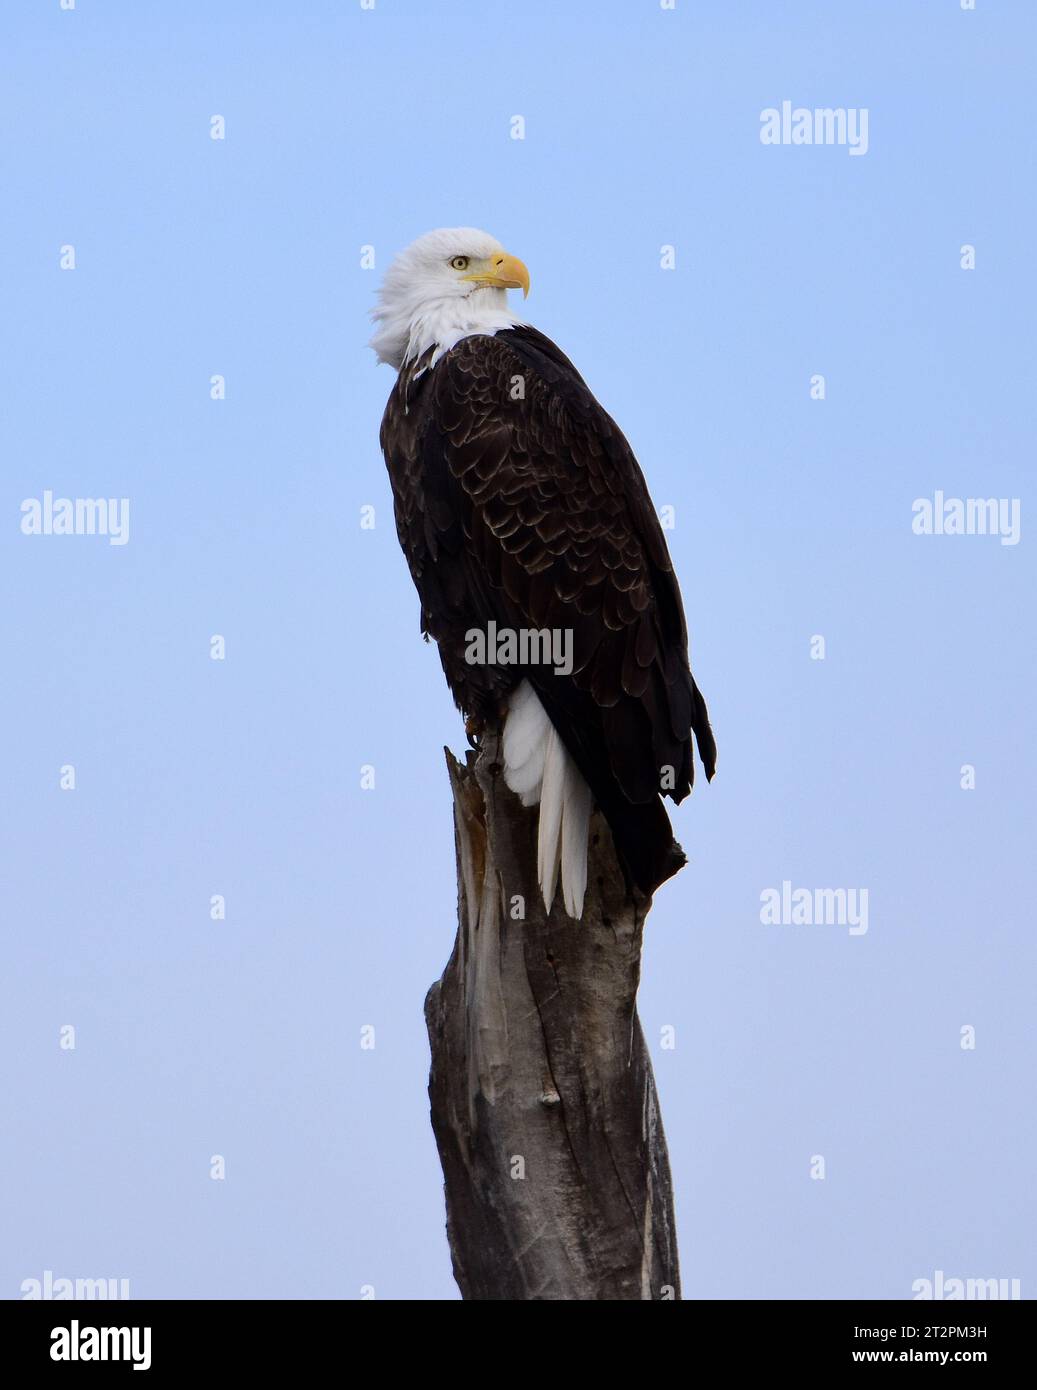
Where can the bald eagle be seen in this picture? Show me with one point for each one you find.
(521, 509)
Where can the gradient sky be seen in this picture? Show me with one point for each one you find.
(242, 257)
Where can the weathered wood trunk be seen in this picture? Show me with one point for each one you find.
(543, 1100)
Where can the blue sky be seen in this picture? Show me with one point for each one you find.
(194, 257)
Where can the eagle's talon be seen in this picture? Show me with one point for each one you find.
(474, 727)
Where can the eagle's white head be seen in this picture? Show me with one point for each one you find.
(444, 287)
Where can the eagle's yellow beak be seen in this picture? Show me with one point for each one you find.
(503, 272)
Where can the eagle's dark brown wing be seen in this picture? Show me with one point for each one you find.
(519, 500)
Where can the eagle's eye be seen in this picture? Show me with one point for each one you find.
(460, 262)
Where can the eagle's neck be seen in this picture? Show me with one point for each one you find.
(407, 331)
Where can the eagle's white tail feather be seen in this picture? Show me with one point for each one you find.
(525, 743)
(549, 830)
(538, 767)
(576, 824)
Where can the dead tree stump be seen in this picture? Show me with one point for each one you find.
(543, 1099)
